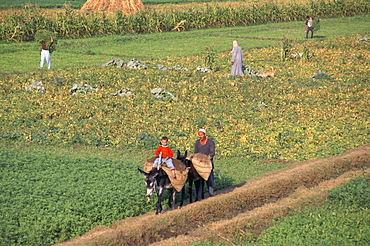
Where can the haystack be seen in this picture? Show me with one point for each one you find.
(180, 169)
(126, 6)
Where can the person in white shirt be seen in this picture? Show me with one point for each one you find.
(308, 26)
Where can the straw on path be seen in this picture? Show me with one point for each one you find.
(127, 6)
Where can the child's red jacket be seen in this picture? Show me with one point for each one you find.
(166, 151)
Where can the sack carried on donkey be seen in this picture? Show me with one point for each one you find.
(180, 169)
(202, 163)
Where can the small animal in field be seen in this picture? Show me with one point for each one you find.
(267, 73)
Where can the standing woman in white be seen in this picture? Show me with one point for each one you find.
(236, 60)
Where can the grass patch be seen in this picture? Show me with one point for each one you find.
(344, 219)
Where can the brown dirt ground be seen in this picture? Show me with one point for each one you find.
(245, 210)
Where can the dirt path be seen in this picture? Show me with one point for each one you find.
(247, 210)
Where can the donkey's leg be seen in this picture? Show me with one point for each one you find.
(159, 206)
(182, 196)
(198, 189)
(159, 201)
(190, 189)
(170, 198)
(202, 187)
(173, 197)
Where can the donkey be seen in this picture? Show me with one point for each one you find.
(158, 179)
(192, 177)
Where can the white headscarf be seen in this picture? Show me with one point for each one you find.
(235, 44)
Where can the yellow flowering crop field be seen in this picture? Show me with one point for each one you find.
(315, 106)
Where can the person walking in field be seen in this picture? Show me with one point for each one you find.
(308, 26)
(236, 60)
(164, 154)
(205, 146)
(45, 53)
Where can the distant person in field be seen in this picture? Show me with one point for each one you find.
(205, 146)
(236, 60)
(308, 26)
(45, 52)
(164, 154)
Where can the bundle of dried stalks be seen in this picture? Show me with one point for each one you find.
(126, 6)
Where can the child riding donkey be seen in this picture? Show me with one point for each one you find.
(164, 154)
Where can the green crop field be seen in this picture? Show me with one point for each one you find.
(343, 219)
(79, 3)
(300, 114)
(69, 157)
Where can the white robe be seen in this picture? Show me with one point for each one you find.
(237, 59)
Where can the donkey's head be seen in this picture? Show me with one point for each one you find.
(150, 181)
(183, 159)
(186, 160)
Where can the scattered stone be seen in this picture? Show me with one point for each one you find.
(297, 55)
(179, 68)
(248, 71)
(114, 62)
(362, 38)
(160, 93)
(204, 69)
(36, 85)
(133, 63)
(160, 67)
(82, 88)
(127, 92)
